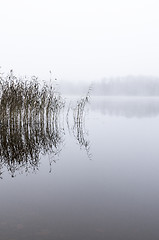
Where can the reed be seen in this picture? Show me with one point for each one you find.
(30, 123)
(79, 109)
(27, 101)
(79, 128)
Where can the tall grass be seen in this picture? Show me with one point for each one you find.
(79, 109)
(78, 128)
(30, 122)
(27, 101)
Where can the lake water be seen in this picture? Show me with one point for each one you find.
(103, 182)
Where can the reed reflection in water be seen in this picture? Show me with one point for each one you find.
(22, 144)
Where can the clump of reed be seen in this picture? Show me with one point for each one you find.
(29, 122)
(79, 109)
(78, 128)
(27, 101)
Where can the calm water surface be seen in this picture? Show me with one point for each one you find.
(107, 188)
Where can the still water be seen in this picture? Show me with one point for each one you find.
(102, 182)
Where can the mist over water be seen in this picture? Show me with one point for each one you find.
(119, 86)
(78, 167)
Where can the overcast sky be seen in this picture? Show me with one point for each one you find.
(80, 40)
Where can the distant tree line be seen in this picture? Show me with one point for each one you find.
(130, 85)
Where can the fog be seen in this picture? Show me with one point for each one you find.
(74, 172)
(128, 86)
(142, 86)
(80, 41)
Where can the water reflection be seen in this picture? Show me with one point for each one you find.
(127, 107)
(23, 140)
(22, 143)
(80, 133)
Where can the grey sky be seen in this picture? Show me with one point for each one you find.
(80, 40)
